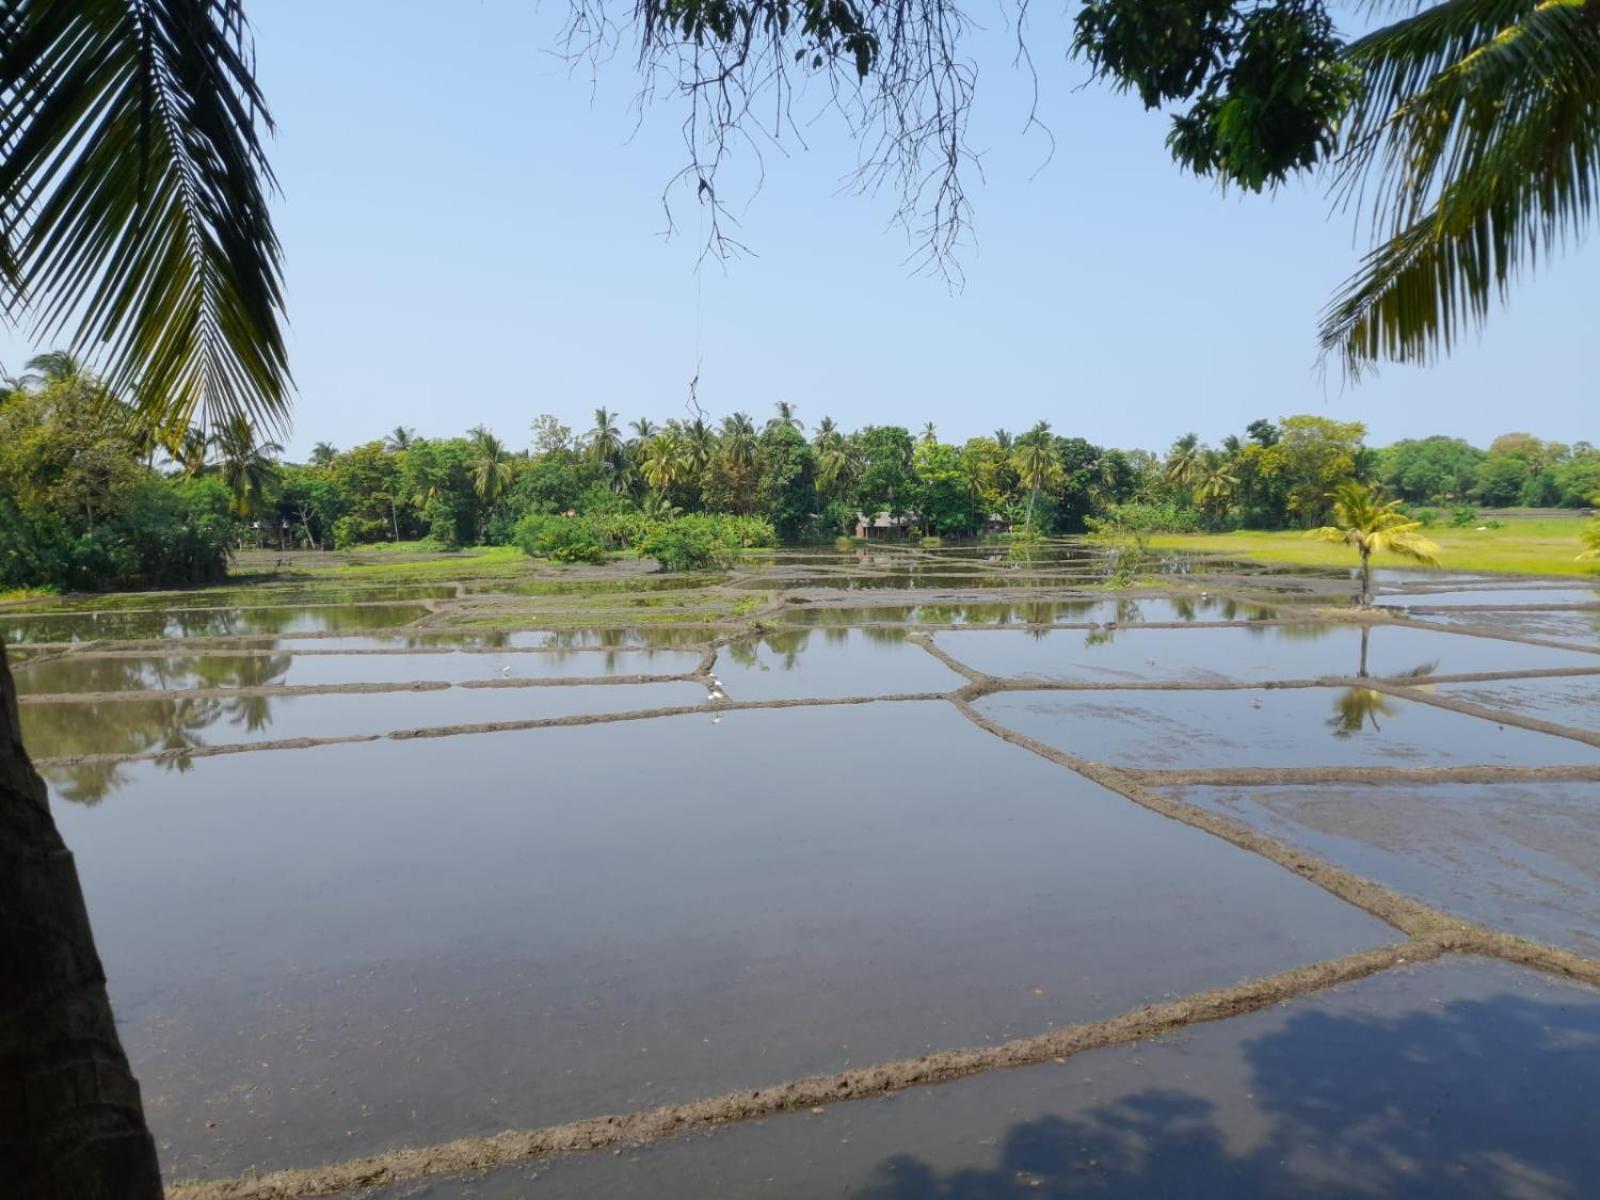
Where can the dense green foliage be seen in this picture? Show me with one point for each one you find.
(80, 506)
(84, 503)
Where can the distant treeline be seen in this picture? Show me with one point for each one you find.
(87, 501)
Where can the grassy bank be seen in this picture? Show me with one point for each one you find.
(1521, 546)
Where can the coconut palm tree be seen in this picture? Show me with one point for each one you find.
(825, 435)
(605, 439)
(323, 453)
(929, 434)
(1034, 461)
(1472, 144)
(192, 452)
(491, 465)
(664, 463)
(786, 416)
(643, 429)
(1217, 485)
(1004, 439)
(739, 442)
(400, 438)
(1373, 527)
(1186, 462)
(246, 462)
(838, 467)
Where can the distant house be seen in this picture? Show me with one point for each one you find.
(884, 525)
(995, 523)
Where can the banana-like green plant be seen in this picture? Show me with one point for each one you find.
(1371, 526)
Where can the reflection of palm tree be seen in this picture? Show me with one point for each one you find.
(1356, 706)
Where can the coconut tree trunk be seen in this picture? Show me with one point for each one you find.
(71, 1123)
(1366, 577)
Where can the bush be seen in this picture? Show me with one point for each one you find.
(564, 539)
(1427, 516)
(352, 530)
(690, 544)
(1127, 519)
(705, 540)
(1462, 516)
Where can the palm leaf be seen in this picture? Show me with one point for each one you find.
(1477, 137)
(133, 213)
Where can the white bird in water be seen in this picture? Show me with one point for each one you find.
(505, 670)
(716, 694)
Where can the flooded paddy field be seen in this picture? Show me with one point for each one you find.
(1304, 1100)
(447, 964)
(896, 871)
(1253, 653)
(1298, 727)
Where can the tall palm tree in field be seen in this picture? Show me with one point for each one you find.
(491, 465)
(1373, 527)
(399, 439)
(1034, 461)
(739, 442)
(930, 433)
(247, 463)
(323, 453)
(605, 439)
(825, 434)
(664, 462)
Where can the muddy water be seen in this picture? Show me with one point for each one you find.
(1455, 1080)
(91, 673)
(1253, 654)
(1301, 727)
(817, 663)
(219, 622)
(399, 942)
(1493, 596)
(164, 723)
(1574, 702)
(1520, 857)
(1577, 625)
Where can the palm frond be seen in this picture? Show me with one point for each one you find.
(133, 212)
(1477, 141)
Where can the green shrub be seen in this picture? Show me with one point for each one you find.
(1129, 519)
(1428, 516)
(1463, 516)
(352, 530)
(564, 539)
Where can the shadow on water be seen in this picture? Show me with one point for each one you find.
(1484, 1097)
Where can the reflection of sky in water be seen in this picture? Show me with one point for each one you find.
(137, 726)
(1297, 727)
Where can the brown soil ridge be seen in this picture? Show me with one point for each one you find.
(655, 1124)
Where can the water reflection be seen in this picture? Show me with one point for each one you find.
(1122, 611)
(152, 624)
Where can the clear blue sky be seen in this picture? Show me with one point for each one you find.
(474, 235)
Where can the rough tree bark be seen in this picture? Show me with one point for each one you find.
(71, 1123)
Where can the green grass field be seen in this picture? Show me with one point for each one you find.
(1521, 546)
